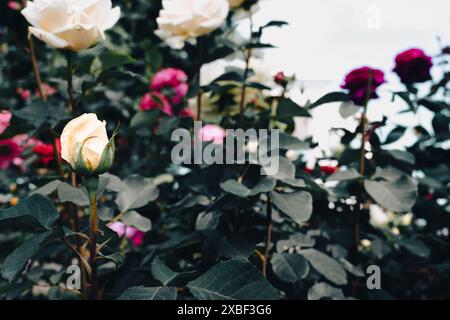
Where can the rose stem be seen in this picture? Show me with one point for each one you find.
(248, 55)
(200, 92)
(362, 159)
(70, 84)
(93, 243)
(269, 235)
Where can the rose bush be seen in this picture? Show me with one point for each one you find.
(105, 195)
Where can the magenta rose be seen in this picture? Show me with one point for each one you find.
(357, 83)
(172, 83)
(10, 153)
(155, 100)
(413, 66)
(136, 236)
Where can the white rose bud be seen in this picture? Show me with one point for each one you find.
(70, 24)
(85, 145)
(378, 217)
(181, 20)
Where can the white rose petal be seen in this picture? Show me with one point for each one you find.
(183, 20)
(70, 24)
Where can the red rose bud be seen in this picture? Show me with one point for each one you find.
(357, 83)
(280, 79)
(413, 66)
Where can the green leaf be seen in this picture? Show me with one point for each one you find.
(150, 293)
(233, 280)
(16, 261)
(287, 109)
(234, 187)
(329, 98)
(168, 277)
(275, 23)
(297, 205)
(111, 59)
(324, 290)
(110, 182)
(259, 46)
(290, 268)
(440, 125)
(286, 170)
(288, 142)
(342, 175)
(36, 212)
(400, 155)
(48, 188)
(67, 193)
(398, 195)
(145, 118)
(432, 105)
(395, 134)
(138, 193)
(416, 246)
(134, 219)
(266, 184)
(325, 265)
(207, 221)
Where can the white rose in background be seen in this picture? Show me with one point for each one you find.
(70, 24)
(85, 144)
(379, 218)
(182, 20)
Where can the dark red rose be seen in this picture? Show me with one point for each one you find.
(280, 78)
(357, 82)
(45, 152)
(413, 66)
(328, 169)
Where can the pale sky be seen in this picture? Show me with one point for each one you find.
(327, 38)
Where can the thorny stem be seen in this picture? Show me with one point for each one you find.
(269, 235)
(362, 158)
(93, 245)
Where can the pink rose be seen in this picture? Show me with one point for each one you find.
(172, 80)
(212, 133)
(136, 236)
(186, 113)
(155, 100)
(357, 81)
(14, 5)
(5, 118)
(10, 151)
(24, 93)
(48, 89)
(413, 66)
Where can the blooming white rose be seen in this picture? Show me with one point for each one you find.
(181, 20)
(70, 24)
(85, 145)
